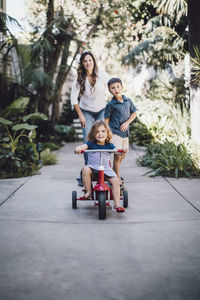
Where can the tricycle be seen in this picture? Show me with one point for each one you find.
(101, 189)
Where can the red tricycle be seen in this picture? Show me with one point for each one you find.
(101, 191)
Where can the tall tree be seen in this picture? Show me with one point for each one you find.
(194, 42)
(65, 34)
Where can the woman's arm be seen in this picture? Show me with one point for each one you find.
(74, 101)
(80, 115)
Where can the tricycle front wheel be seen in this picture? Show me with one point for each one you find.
(74, 199)
(101, 196)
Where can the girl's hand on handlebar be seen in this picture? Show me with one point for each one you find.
(77, 150)
(80, 149)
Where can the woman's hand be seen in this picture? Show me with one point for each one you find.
(82, 120)
(80, 115)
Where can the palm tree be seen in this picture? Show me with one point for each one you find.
(7, 46)
(164, 36)
(194, 43)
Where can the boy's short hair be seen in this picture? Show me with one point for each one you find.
(114, 80)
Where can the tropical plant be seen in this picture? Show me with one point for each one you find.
(68, 114)
(170, 160)
(18, 156)
(50, 145)
(196, 66)
(162, 35)
(163, 120)
(139, 134)
(8, 85)
(194, 43)
(179, 7)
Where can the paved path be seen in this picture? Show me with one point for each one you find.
(49, 251)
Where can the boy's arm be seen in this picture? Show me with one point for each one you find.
(125, 125)
(78, 149)
(107, 121)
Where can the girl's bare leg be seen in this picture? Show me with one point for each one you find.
(115, 190)
(86, 178)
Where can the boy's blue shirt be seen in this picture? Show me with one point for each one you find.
(118, 113)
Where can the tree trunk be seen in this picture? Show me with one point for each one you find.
(55, 106)
(194, 41)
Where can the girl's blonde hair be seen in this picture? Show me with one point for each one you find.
(94, 128)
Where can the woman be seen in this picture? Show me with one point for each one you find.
(89, 86)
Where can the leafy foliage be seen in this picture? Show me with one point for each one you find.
(163, 120)
(162, 36)
(50, 145)
(68, 115)
(22, 162)
(139, 133)
(170, 160)
(48, 158)
(196, 66)
(18, 156)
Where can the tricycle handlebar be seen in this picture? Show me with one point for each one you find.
(104, 150)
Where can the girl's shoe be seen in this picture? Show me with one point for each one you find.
(120, 209)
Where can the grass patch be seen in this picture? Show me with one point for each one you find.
(48, 157)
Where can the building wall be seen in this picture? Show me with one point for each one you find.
(3, 6)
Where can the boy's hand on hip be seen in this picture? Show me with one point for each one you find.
(124, 126)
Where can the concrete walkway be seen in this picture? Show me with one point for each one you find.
(49, 251)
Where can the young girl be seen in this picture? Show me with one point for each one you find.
(99, 137)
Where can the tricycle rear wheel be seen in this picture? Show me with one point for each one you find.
(125, 198)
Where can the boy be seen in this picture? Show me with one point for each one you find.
(119, 113)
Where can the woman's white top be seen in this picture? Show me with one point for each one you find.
(93, 99)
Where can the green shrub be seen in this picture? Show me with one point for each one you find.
(48, 158)
(68, 114)
(139, 133)
(164, 121)
(23, 162)
(67, 133)
(51, 145)
(170, 160)
(18, 155)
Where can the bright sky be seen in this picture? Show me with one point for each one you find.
(16, 9)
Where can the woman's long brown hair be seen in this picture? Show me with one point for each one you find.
(82, 73)
(94, 128)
